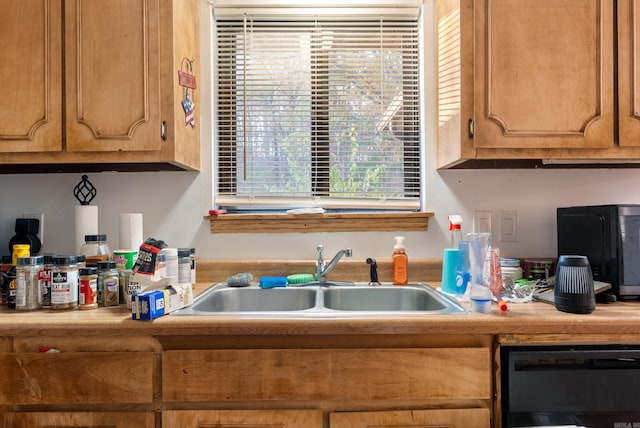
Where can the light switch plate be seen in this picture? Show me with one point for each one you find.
(509, 226)
(482, 221)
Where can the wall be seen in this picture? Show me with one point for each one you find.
(174, 204)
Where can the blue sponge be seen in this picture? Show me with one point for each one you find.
(273, 281)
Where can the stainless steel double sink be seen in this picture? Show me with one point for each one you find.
(322, 301)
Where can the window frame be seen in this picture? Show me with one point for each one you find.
(375, 220)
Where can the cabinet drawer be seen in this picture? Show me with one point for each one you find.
(450, 418)
(79, 419)
(242, 418)
(77, 377)
(323, 374)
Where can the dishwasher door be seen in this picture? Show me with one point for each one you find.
(588, 385)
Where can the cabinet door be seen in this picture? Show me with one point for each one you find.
(31, 73)
(79, 419)
(543, 74)
(112, 64)
(450, 418)
(629, 72)
(243, 418)
(76, 378)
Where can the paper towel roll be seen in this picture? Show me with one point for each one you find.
(86, 223)
(131, 230)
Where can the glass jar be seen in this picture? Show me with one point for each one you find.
(184, 266)
(108, 284)
(64, 282)
(45, 282)
(28, 277)
(193, 264)
(4, 279)
(95, 249)
(88, 288)
(20, 250)
(80, 261)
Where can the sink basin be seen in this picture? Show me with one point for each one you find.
(383, 298)
(251, 299)
(329, 300)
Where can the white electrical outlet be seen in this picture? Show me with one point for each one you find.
(482, 221)
(40, 217)
(509, 226)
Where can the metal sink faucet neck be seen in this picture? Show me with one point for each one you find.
(321, 270)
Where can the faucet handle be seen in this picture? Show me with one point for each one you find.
(320, 249)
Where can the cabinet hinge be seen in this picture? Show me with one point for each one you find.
(163, 131)
(470, 128)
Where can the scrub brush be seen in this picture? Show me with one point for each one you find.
(299, 278)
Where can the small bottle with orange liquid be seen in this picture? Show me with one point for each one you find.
(399, 262)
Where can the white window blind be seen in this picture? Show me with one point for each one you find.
(317, 111)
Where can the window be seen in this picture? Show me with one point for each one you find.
(317, 110)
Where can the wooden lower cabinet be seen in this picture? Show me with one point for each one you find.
(91, 382)
(450, 418)
(351, 387)
(33, 378)
(256, 382)
(243, 418)
(80, 419)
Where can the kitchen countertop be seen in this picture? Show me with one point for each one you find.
(622, 317)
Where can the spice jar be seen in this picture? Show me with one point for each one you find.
(4, 279)
(80, 261)
(171, 255)
(45, 281)
(193, 264)
(64, 283)
(28, 276)
(184, 266)
(20, 250)
(108, 284)
(95, 249)
(88, 288)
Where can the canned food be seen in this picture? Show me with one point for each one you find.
(538, 268)
(125, 259)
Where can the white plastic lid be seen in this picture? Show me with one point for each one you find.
(481, 306)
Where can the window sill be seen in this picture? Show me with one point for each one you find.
(333, 222)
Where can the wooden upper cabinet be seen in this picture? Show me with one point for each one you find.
(112, 75)
(628, 72)
(122, 99)
(544, 81)
(544, 74)
(30, 72)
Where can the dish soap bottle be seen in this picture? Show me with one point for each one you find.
(399, 262)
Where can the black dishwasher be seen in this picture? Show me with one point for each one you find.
(595, 386)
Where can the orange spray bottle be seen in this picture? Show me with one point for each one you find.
(399, 262)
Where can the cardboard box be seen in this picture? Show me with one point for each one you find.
(155, 302)
(149, 304)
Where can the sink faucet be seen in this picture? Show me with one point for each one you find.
(321, 270)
